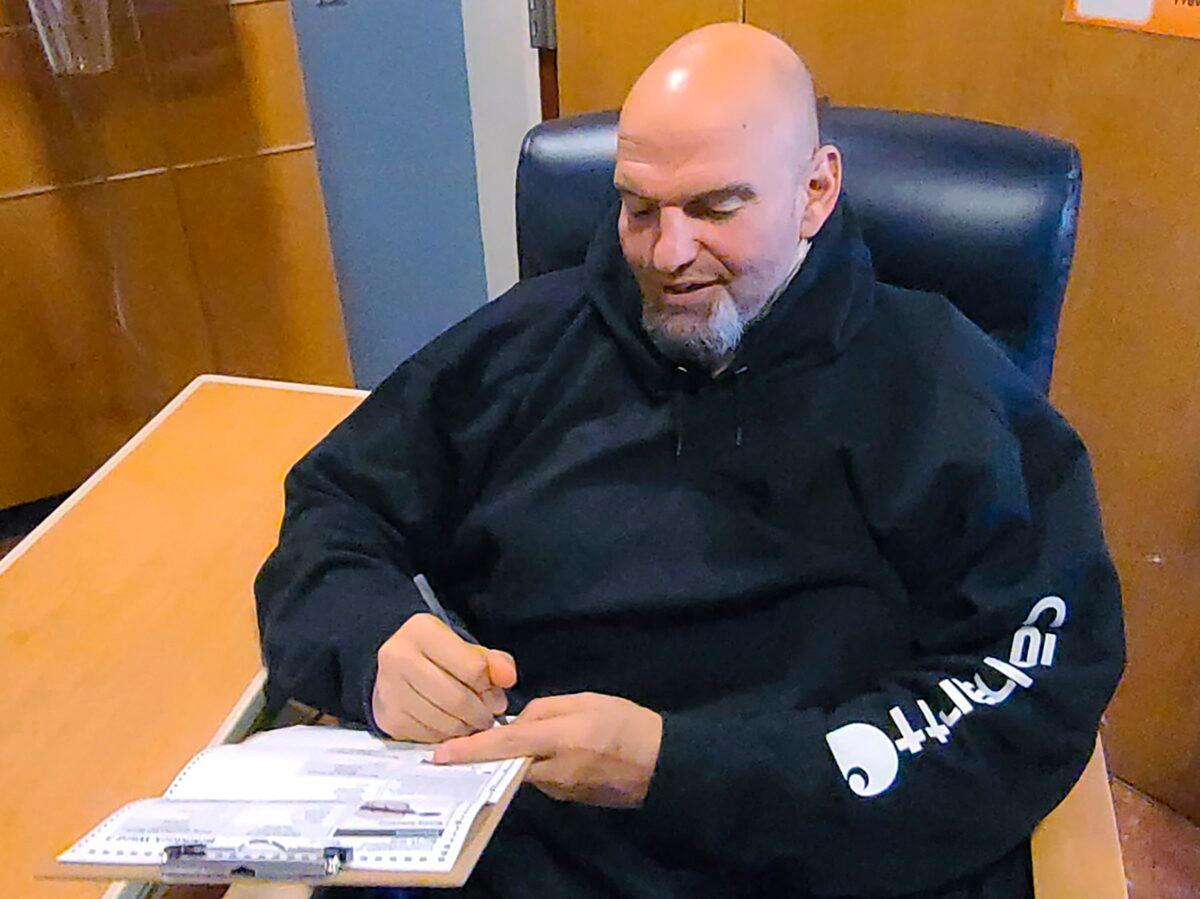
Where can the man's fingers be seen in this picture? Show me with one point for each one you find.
(474, 666)
(439, 723)
(502, 668)
(461, 660)
(546, 777)
(553, 706)
(408, 727)
(436, 678)
(449, 694)
(495, 700)
(536, 738)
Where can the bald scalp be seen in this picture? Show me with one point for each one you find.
(722, 186)
(724, 77)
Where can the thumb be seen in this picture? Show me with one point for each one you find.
(502, 668)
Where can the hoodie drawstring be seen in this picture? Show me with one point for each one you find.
(737, 401)
(677, 400)
(677, 421)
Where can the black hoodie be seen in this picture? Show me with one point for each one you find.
(860, 573)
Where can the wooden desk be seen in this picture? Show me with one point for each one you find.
(128, 630)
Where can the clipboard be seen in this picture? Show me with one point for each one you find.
(320, 866)
(295, 870)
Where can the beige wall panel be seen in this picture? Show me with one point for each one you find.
(257, 233)
(227, 78)
(41, 144)
(116, 293)
(1128, 369)
(604, 44)
(13, 12)
(270, 56)
(102, 324)
(60, 130)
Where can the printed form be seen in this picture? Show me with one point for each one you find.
(300, 788)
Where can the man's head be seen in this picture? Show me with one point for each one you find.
(722, 184)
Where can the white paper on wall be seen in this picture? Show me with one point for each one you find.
(1135, 11)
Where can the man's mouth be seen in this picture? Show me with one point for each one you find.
(686, 287)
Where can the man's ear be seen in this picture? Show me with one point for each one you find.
(821, 190)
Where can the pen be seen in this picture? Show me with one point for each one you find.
(434, 605)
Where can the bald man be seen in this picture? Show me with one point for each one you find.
(803, 579)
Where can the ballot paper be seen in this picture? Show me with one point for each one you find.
(301, 787)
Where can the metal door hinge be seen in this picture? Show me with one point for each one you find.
(543, 32)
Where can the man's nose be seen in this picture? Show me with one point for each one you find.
(676, 245)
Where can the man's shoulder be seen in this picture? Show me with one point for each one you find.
(933, 343)
(544, 301)
(484, 360)
(512, 329)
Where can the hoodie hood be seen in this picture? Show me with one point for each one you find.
(815, 317)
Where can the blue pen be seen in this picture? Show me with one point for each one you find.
(452, 621)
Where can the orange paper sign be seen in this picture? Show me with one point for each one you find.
(1178, 17)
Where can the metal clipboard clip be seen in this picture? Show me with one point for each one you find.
(261, 859)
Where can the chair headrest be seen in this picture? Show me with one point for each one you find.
(981, 213)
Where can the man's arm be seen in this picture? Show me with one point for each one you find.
(1017, 645)
(367, 509)
(358, 523)
(943, 766)
(379, 501)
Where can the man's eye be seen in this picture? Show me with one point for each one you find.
(641, 212)
(714, 215)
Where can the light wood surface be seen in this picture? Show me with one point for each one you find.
(268, 891)
(1076, 849)
(603, 45)
(1128, 366)
(128, 631)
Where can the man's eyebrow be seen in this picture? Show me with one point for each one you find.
(623, 188)
(739, 190)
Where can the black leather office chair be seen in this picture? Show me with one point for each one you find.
(980, 213)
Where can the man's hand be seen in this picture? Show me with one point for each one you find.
(433, 685)
(590, 748)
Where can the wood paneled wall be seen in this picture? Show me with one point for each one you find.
(157, 221)
(1128, 364)
(605, 44)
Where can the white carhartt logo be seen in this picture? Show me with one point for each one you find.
(866, 757)
(869, 758)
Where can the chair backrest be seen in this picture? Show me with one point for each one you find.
(983, 214)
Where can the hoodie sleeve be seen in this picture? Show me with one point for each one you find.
(947, 764)
(364, 511)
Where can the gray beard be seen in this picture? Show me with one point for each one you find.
(712, 342)
(708, 343)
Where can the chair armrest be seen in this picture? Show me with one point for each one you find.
(1076, 848)
(268, 891)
